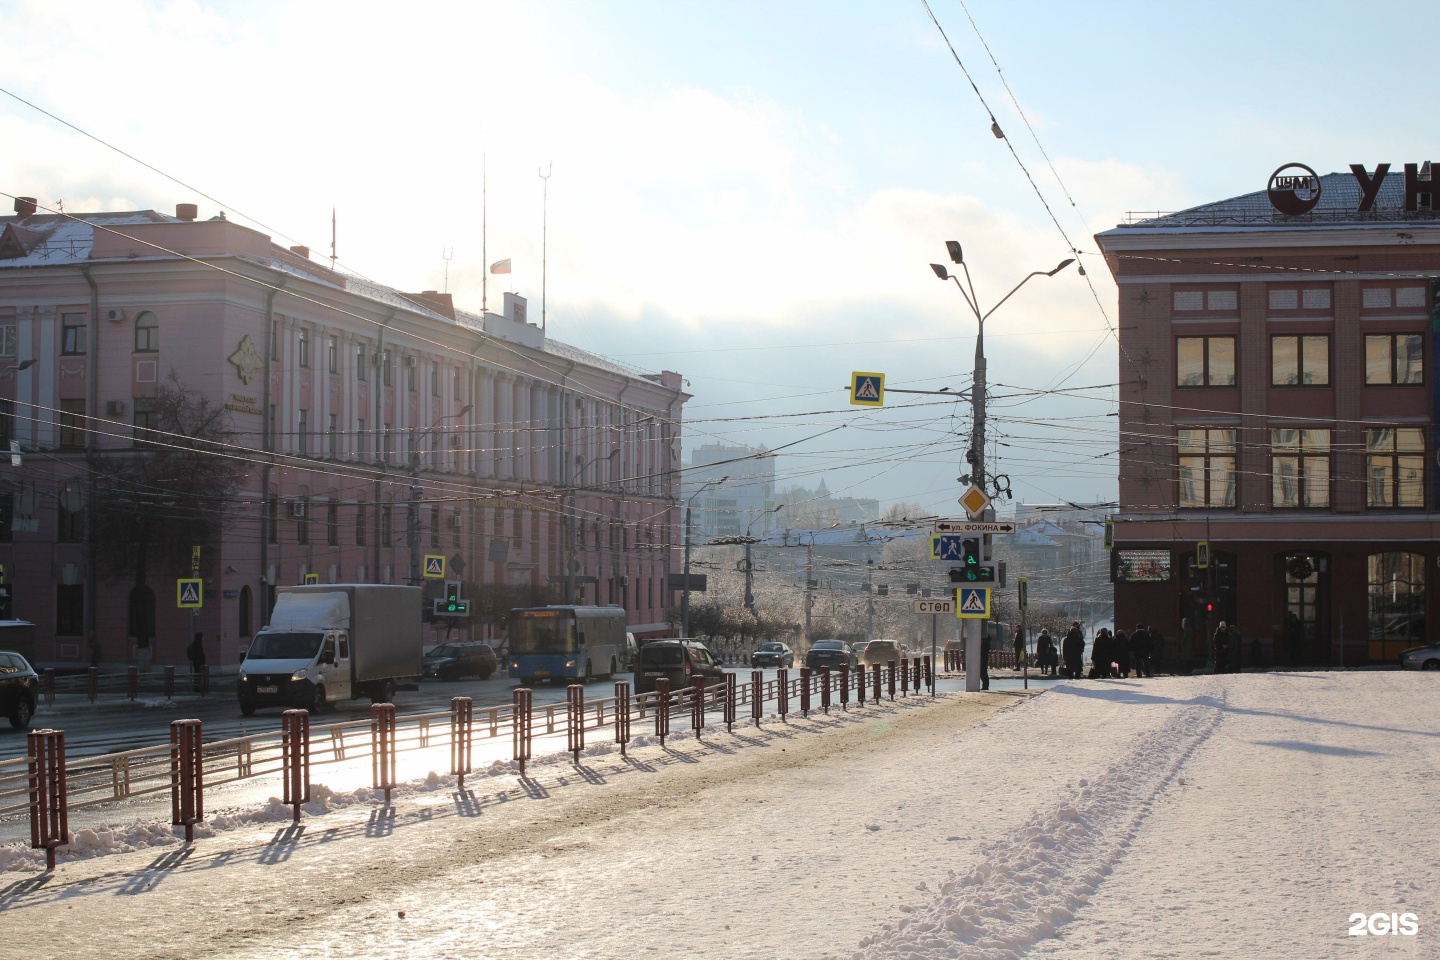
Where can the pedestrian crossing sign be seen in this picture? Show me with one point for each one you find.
(434, 566)
(867, 389)
(973, 603)
(189, 594)
(312, 578)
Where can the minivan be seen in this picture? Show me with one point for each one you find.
(677, 661)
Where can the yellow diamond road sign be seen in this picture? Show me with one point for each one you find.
(867, 389)
(974, 501)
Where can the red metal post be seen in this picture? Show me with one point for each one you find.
(860, 684)
(132, 681)
(575, 719)
(844, 686)
(902, 666)
(187, 776)
(662, 709)
(889, 676)
(757, 696)
(805, 691)
(49, 804)
(825, 689)
(929, 674)
(697, 704)
(522, 719)
(382, 747)
(462, 726)
(782, 693)
(169, 683)
(295, 757)
(730, 702)
(622, 714)
(875, 676)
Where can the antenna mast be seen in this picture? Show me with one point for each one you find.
(544, 237)
(332, 238)
(447, 254)
(484, 247)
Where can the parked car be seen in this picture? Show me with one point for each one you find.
(882, 652)
(677, 661)
(772, 654)
(1421, 658)
(632, 653)
(830, 653)
(451, 661)
(19, 689)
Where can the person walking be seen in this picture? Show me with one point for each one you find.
(1019, 646)
(1221, 645)
(1237, 649)
(1120, 654)
(1100, 655)
(1140, 651)
(1045, 657)
(196, 653)
(1072, 648)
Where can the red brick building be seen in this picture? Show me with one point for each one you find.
(1279, 386)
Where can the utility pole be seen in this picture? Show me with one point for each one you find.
(809, 585)
(685, 597)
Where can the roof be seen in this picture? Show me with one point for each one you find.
(49, 239)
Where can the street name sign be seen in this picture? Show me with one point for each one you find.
(974, 526)
(946, 606)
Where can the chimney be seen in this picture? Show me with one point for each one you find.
(25, 206)
(300, 251)
(186, 211)
(441, 303)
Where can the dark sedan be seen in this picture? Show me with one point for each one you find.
(830, 653)
(19, 689)
(450, 661)
(772, 654)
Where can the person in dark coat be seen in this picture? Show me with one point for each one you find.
(1100, 655)
(1072, 648)
(1237, 649)
(1045, 657)
(1222, 647)
(1140, 651)
(1157, 647)
(196, 653)
(1018, 644)
(1120, 653)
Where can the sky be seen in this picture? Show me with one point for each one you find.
(746, 192)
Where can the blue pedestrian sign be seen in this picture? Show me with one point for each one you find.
(189, 593)
(434, 566)
(974, 603)
(867, 389)
(947, 547)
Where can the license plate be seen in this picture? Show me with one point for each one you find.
(654, 674)
(266, 690)
(542, 673)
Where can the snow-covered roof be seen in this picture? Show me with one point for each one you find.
(50, 238)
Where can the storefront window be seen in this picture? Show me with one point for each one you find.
(1397, 603)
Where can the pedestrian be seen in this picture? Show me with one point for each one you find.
(1222, 647)
(1019, 645)
(1157, 647)
(1045, 657)
(1237, 648)
(985, 658)
(1072, 648)
(1140, 642)
(1100, 655)
(196, 653)
(1120, 654)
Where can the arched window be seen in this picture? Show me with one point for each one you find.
(147, 333)
(1397, 603)
(245, 604)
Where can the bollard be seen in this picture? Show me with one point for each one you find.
(92, 681)
(382, 747)
(929, 674)
(844, 686)
(132, 682)
(187, 776)
(904, 669)
(757, 695)
(730, 702)
(825, 690)
(462, 725)
(49, 804)
(890, 676)
(782, 693)
(915, 676)
(805, 692)
(169, 683)
(860, 684)
(697, 704)
(662, 709)
(295, 757)
(48, 686)
(875, 678)
(622, 714)
(575, 719)
(522, 720)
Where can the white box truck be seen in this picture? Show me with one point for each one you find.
(333, 642)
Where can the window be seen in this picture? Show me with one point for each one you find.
(389, 443)
(69, 610)
(434, 378)
(1395, 467)
(383, 528)
(362, 442)
(7, 517)
(147, 333)
(1300, 468)
(1300, 361)
(455, 383)
(332, 523)
(72, 334)
(332, 354)
(304, 347)
(1207, 467)
(9, 339)
(360, 361)
(70, 523)
(1394, 358)
(334, 433)
(457, 524)
(143, 412)
(72, 424)
(410, 366)
(360, 522)
(385, 368)
(302, 431)
(273, 533)
(434, 526)
(1397, 603)
(7, 423)
(301, 509)
(1205, 361)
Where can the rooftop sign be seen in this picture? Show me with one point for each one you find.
(1294, 188)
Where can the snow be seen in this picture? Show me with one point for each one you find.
(1237, 815)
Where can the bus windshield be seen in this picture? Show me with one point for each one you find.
(541, 633)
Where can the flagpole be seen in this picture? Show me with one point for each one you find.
(544, 239)
(484, 250)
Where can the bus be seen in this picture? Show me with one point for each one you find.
(571, 642)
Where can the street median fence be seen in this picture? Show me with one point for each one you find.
(132, 683)
(954, 660)
(49, 786)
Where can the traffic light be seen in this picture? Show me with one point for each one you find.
(452, 596)
(970, 554)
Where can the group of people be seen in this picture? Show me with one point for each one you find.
(1111, 654)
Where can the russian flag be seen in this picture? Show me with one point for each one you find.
(500, 266)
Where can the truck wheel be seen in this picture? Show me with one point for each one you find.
(318, 703)
(247, 707)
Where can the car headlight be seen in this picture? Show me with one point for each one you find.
(243, 678)
(514, 664)
(569, 663)
(300, 674)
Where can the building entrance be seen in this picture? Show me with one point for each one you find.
(1305, 633)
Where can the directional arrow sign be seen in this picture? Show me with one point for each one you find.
(946, 606)
(974, 526)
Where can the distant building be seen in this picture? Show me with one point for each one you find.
(745, 498)
(819, 507)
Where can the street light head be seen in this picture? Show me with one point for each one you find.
(463, 410)
(613, 454)
(1063, 265)
(940, 271)
(953, 247)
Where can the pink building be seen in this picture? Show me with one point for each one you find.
(353, 408)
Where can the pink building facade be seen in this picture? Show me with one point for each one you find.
(353, 408)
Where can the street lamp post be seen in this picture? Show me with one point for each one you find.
(749, 564)
(685, 597)
(414, 512)
(975, 456)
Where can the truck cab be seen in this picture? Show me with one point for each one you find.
(295, 668)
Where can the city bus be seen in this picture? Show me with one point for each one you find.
(569, 642)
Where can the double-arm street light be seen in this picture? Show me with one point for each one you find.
(685, 597)
(414, 518)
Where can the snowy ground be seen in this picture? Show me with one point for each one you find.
(1237, 816)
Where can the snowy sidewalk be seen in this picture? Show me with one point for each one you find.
(1242, 815)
